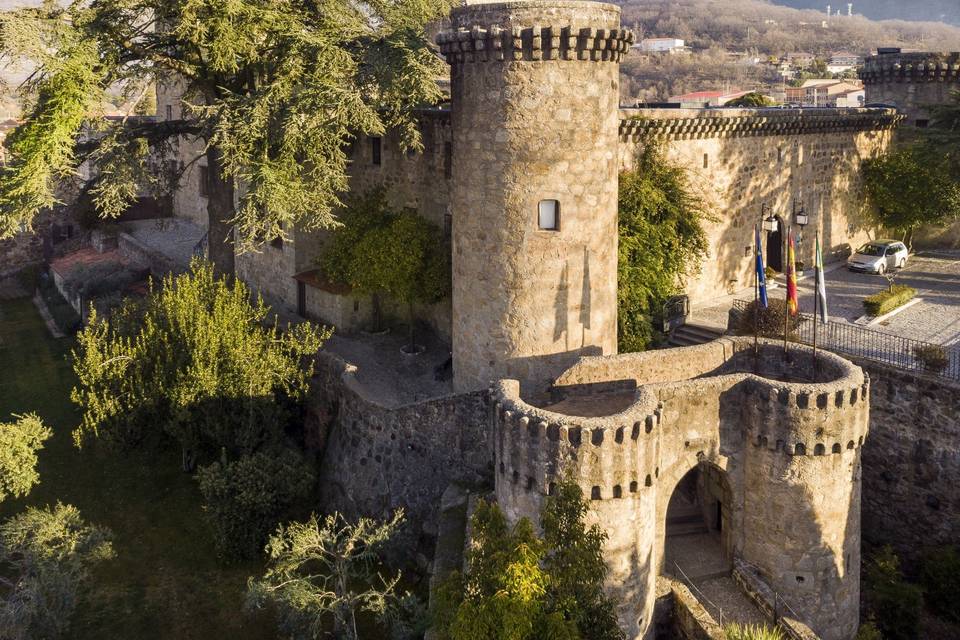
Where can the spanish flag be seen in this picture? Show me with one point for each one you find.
(792, 304)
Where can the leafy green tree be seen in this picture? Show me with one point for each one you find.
(520, 586)
(662, 241)
(503, 595)
(910, 187)
(574, 562)
(940, 577)
(381, 252)
(245, 498)
(752, 100)
(326, 568)
(193, 362)
(19, 443)
(273, 90)
(895, 603)
(45, 553)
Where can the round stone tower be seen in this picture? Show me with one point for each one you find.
(912, 82)
(535, 102)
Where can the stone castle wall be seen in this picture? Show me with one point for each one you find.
(738, 160)
(912, 82)
(911, 464)
(788, 453)
(378, 458)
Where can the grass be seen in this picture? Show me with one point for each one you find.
(166, 581)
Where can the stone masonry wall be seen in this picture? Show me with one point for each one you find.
(738, 160)
(378, 458)
(788, 453)
(911, 464)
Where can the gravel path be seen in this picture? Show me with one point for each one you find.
(727, 596)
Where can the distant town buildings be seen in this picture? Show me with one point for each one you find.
(701, 99)
(827, 93)
(661, 45)
(843, 61)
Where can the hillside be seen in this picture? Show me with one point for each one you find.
(943, 10)
(739, 25)
(713, 28)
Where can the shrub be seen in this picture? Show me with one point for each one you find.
(245, 498)
(932, 357)
(940, 577)
(886, 301)
(869, 631)
(767, 322)
(895, 603)
(770, 273)
(752, 632)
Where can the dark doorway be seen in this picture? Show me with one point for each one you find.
(301, 299)
(775, 247)
(694, 544)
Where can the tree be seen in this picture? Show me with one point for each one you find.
(519, 585)
(574, 561)
(503, 595)
(398, 254)
(907, 188)
(896, 603)
(193, 362)
(19, 443)
(662, 241)
(752, 100)
(46, 556)
(273, 90)
(325, 568)
(45, 553)
(245, 498)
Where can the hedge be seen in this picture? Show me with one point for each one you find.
(888, 300)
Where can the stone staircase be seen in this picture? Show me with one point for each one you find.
(692, 334)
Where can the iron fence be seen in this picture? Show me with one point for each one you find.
(860, 342)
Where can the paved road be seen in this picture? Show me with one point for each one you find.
(935, 276)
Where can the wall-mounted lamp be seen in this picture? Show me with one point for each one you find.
(801, 217)
(770, 222)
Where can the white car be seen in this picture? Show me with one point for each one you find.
(879, 256)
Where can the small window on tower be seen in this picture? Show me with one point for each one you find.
(923, 124)
(706, 161)
(375, 151)
(169, 110)
(204, 181)
(549, 215)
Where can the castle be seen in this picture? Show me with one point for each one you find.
(521, 170)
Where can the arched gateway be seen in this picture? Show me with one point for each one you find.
(774, 450)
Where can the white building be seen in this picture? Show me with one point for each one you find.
(660, 45)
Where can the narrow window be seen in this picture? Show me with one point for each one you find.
(169, 109)
(706, 161)
(375, 151)
(447, 160)
(549, 215)
(204, 181)
(923, 124)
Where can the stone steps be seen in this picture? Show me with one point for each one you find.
(692, 334)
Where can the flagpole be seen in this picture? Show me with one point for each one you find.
(786, 299)
(817, 274)
(756, 291)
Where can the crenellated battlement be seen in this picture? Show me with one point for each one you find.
(911, 67)
(697, 124)
(481, 44)
(775, 436)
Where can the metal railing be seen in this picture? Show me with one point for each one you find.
(859, 342)
(702, 598)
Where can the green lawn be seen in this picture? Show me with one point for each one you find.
(165, 582)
